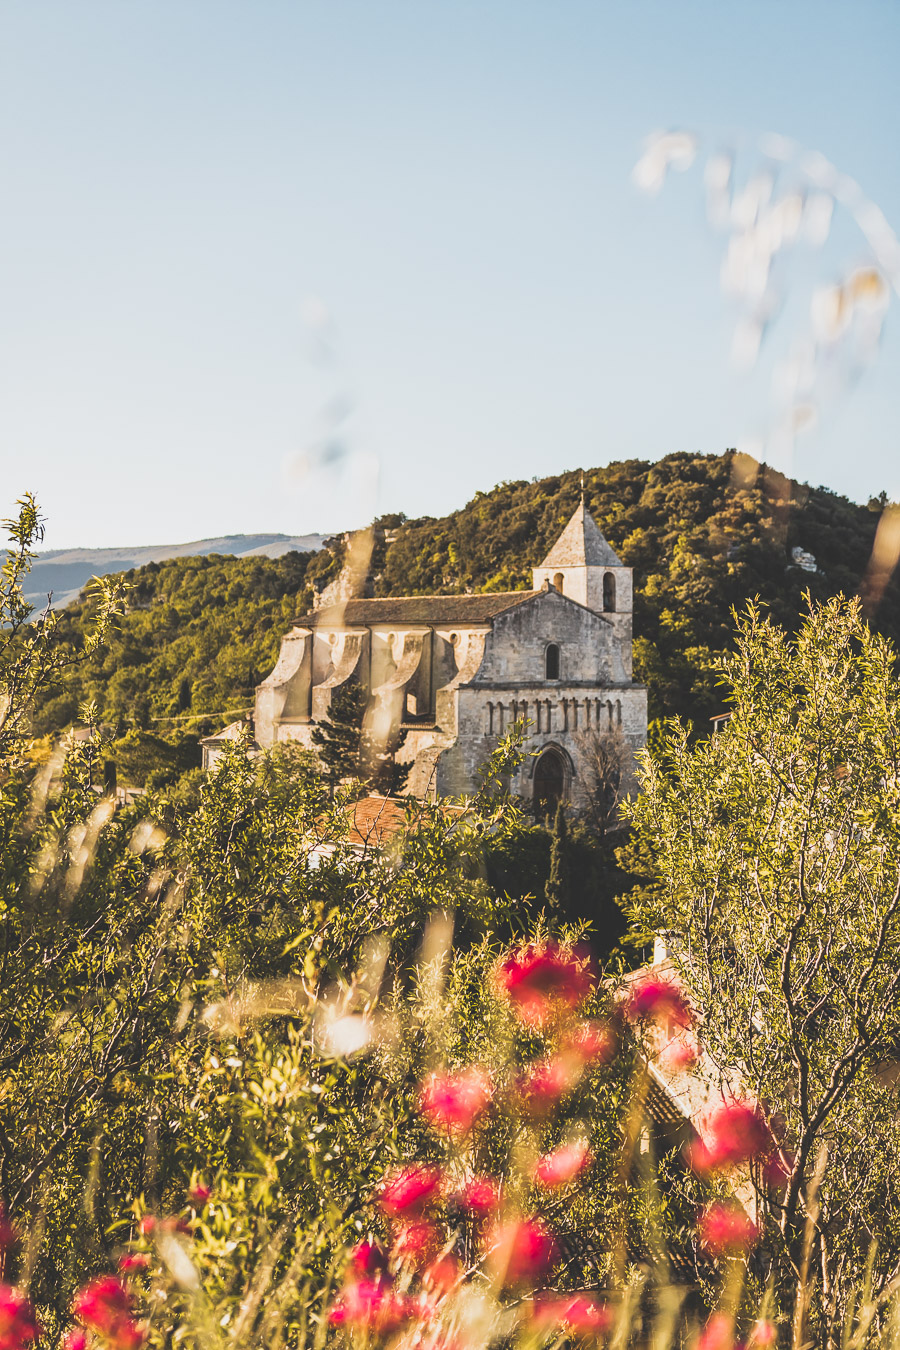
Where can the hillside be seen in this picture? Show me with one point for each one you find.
(62, 573)
(703, 533)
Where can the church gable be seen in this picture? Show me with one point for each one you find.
(518, 648)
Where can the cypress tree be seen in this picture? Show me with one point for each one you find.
(337, 738)
(558, 888)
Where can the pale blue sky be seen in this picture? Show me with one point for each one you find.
(182, 179)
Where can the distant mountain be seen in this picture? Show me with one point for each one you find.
(64, 572)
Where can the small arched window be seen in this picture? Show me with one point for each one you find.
(558, 582)
(609, 593)
(551, 662)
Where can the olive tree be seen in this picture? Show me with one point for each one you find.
(778, 895)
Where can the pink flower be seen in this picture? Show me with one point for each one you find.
(408, 1189)
(18, 1324)
(104, 1305)
(563, 1165)
(371, 1304)
(367, 1258)
(481, 1195)
(763, 1332)
(536, 980)
(735, 1133)
(652, 998)
(453, 1101)
(147, 1225)
(582, 1313)
(725, 1230)
(521, 1251)
(133, 1261)
(546, 1082)
(416, 1242)
(174, 1223)
(591, 1042)
(76, 1339)
(718, 1334)
(682, 1052)
(199, 1195)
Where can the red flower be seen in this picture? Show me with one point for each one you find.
(654, 999)
(561, 1166)
(147, 1225)
(453, 1101)
(718, 1334)
(18, 1324)
(408, 1189)
(582, 1313)
(369, 1303)
(76, 1339)
(442, 1276)
(521, 1251)
(592, 1042)
(777, 1168)
(104, 1305)
(133, 1261)
(367, 1258)
(199, 1195)
(546, 1082)
(416, 1242)
(538, 979)
(763, 1332)
(725, 1230)
(481, 1195)
(735, 1133)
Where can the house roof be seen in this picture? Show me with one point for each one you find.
(418, 609)
(581, 544)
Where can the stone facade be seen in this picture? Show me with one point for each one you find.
(455, 672)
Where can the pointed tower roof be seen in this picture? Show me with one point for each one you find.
(581, 544)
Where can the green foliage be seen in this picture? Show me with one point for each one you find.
(198, 636)
(777, 854)
(33, 659)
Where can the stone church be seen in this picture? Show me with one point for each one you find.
(454, 672)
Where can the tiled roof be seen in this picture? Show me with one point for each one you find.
(375, 820)
(420, 609)
(580, 544)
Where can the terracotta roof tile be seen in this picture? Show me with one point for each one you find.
(417, 609)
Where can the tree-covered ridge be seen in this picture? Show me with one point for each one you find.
(197, 636)
(703, 533)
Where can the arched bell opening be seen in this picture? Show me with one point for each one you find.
(609, 593)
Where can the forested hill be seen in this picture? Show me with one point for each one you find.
(703, 533)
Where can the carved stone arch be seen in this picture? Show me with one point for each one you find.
(551, 779)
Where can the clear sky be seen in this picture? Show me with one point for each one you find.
(281, 264)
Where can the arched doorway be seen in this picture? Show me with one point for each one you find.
(549, 783)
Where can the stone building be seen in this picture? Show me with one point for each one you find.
(456, 671)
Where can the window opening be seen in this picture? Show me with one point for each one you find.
(609, 593)
(551, 662)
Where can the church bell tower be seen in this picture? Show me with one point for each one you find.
(582, 566)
